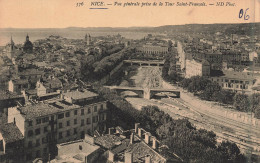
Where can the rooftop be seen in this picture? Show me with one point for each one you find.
(4, 95)
(20, 81)
(108, 141)
(141, 149)
(10, 132)
(43, 109)
(53, 83)
(80, 95)
(238, 75)
(31, 72)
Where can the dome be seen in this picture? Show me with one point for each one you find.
(28, 46)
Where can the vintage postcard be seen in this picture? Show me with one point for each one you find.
(130, 81)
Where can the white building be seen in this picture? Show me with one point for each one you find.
(197, 68)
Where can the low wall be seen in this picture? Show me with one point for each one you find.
(230, 114)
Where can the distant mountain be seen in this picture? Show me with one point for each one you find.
(242, 29)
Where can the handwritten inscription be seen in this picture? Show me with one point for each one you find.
(242, 13)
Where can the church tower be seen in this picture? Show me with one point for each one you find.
(27, 38)
(10, 49)
(88, 39)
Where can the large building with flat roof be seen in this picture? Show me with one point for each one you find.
(235, 81)
(153, 49)
(51, 122)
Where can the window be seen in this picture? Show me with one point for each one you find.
(44, 120)
(75, 112)
(38, 153)
(89, 110)
(28, 156)
(37, 142)
(68, 132)
(75, 131)
(88, 121)
(68, 123)
(52, 117)
(60, 125)
(75, 121)
(82, 111)
(80, 147)
(101, 107)
(38, 121)
(30, 123)
(102, 117)
(44, 140)
(68, 114)
(30, 133)
(37, 131)
(45, 129)
(95, 108)
(60, 135)
(82, 122)
(45, 150)
(29, 144)
(60, 116)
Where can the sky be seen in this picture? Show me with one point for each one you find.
(64, 13)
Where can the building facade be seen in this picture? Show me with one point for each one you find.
(197, 68)
(46, 124)
(235, 81)
(152, 49)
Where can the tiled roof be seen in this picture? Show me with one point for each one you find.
(108, 141)
(140, 150)
(20, 81)
(80, 95)
(10, 132)
(238, 75)
(121, 147)
(31, 72)
(4, 95)
(52, 83)
(43, 109)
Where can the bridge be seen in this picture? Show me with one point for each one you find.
(144, 63)
(144, 92)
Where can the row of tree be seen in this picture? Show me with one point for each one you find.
(89, 62)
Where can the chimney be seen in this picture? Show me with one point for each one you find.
(140, 132)
(148, 159)
(14, 121)
(155, 143)
(147, 137)
(132, 137)
(111, 131)
(137, 125)
(128, 157)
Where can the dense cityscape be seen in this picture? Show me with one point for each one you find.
(188, 93)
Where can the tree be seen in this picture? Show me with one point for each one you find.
(211, 88)
(241, 102)
(257, 112)
(231, 152)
